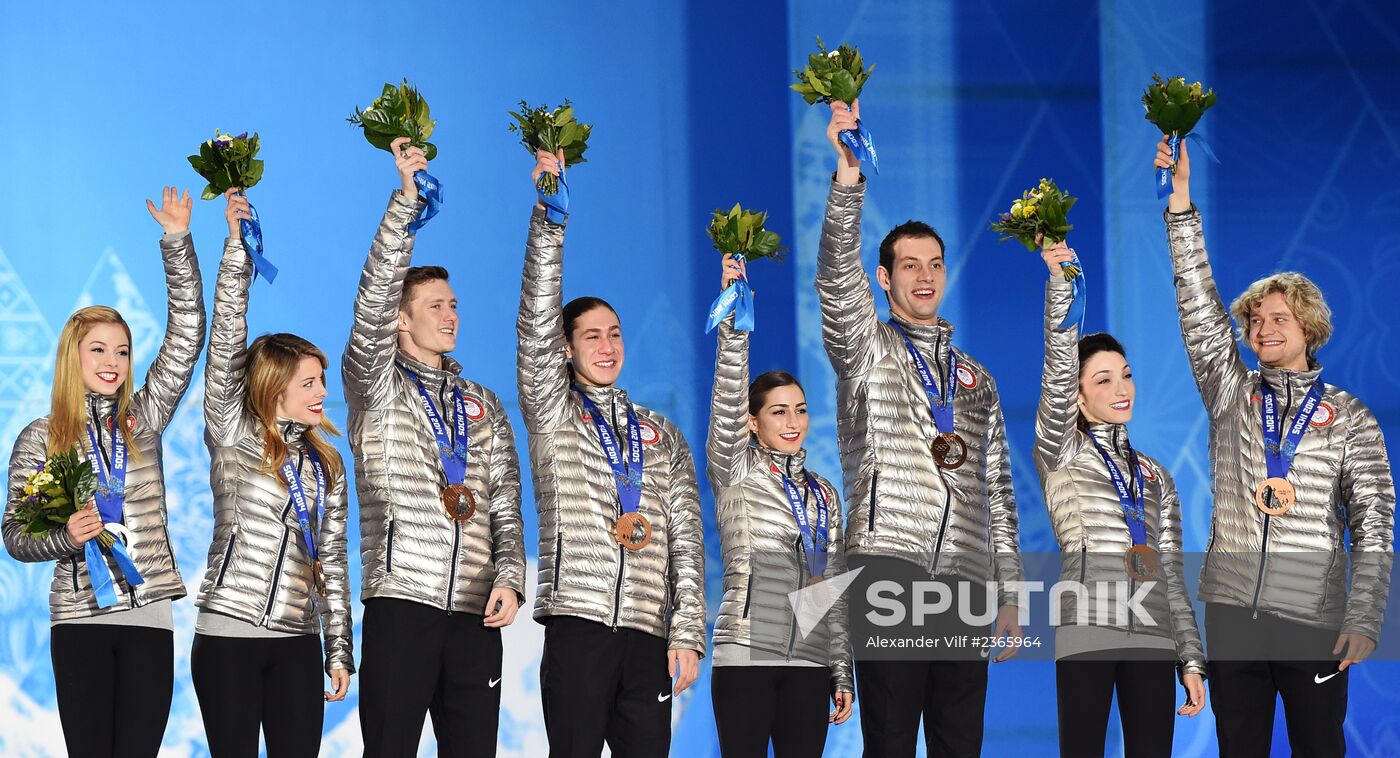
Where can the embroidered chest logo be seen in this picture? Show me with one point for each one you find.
(966, 378)
(649, 434)
(1324, 415)
(476, 410)
(1148, 475)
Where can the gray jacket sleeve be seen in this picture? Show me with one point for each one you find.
(1368, 492)
(1189, 653)
(367, 366)
(507, 531)
(1205, 325)
(1001, 501)
(541, 372)
(728, 446)
(849, 319)
(225, 380)
(337, 625)
(170, 372)
(1056, 419)
(30, 451)
(842, 678)
(686, 535)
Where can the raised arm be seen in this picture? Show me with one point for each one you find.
(842, 678)
(170, 372)
(368, 363)
(1056, 418)
(336, 623)
(728, 445)
(1001, 501)
(507, 543)
(1187, 636)
(849, 319)
(25, 459)
(1368, 494)
(1205, 324)
(686, 537)
(225, 380)
(541, 373)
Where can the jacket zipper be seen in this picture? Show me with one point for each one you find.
(874, 487)
(621, 551)
(792, 622)
(228, 556)
(942, 525)
(74, 559)
(558, 555)
(277, 569)
(748, 591)
(456, 525)
(1264, 547)
(389, 550)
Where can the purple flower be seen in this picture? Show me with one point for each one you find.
(242, 136)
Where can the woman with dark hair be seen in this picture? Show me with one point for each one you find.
(277, 571)
(779, 531)
(112, 641)
(622, 564)
(1118, 523)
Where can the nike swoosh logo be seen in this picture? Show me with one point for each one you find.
(494, 682)
(1319, 678)
(663, 698)
(986, 651)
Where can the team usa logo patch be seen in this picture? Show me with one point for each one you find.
(130, 424)
(966, 378)
(476, 410)
(1324, 415)
(1148, 475)
(649, 434)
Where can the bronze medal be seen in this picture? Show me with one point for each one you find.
(459, 502)
(318, 577)
(625, 531)
(949, 450)
(814, 581)
(1141, 563)
(1275, 496)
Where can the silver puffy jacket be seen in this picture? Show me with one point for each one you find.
(1085, 511)
(659, 589)
(143, 511)
(259, 569)
(1294, 566)
(758, 536)
(956, 522)
(409, 548)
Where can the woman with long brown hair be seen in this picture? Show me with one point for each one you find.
(277, 571)
(111, 640)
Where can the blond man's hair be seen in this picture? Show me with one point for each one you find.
(1303, 298)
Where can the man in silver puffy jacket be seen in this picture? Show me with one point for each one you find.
(623, 612)
(1279, 614)
(951, 518)
(438, 481)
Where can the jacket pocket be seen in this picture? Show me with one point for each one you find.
(748, 592)
(389, 549)
(874, 488)
(228, 556)
(558, 557)
(74, 575)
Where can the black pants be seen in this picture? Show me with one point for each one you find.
(785, 704)
(951, 696)
(113, 685)
(599, 683)
(244, 684)
(417, 660)
(1145, 681)
(1261, 659)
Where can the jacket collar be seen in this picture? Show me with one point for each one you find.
(99, 408)
(1284, 380)
(1111, 437)
(291, 431)
(931, 339)
(792, 464)
(603, 397)
(431, 376)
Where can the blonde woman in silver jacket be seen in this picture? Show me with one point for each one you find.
(1297, 569)
(779, 531)
(112, 646)
(277, 570)
(622, 562)
(1117, 519)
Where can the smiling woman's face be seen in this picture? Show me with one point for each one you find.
(105, 356)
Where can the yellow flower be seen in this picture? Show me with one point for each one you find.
(43, 478)
(30, 489)
(1027, 211)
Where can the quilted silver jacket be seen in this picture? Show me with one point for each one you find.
(259, 569)
(659, 589)
(1085, 511)
(763, 555)
(409, 548)
(955, 522)
(1293, 566)
(143, 514)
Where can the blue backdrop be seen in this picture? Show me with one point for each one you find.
(971, 103)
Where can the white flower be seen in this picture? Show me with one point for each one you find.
(834, 54)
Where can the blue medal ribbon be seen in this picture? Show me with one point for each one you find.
(1164, 175)
(556, 206)
(1080, 288)
(452, 448)
(737, 297)
(1278, 454)
(626, 472)
(813, 546)
(940, 404)
(1134, 510)
(862, 144)
(299, 503)
(110, 497)
(253, 243)
(430, 189)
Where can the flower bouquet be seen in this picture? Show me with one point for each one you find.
(552, 130)
(1174, 107)
(401, 111)
(229, 161)
(839, 76)
(740, 233)
(1037, 219)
